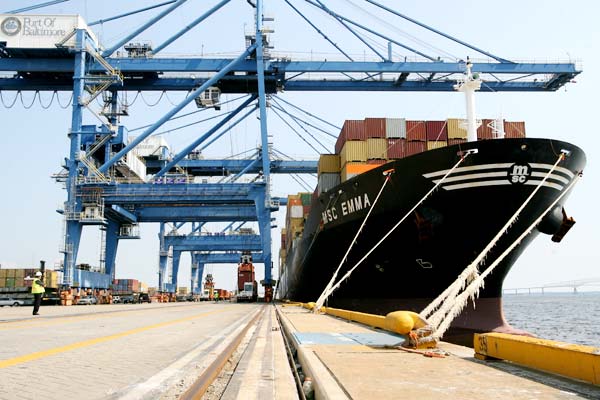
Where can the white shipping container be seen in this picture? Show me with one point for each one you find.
(395, 128)
(38, 31)
(328, 181)
(296, 212)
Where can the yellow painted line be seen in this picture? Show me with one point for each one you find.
(571, 360)
(41, 322)
(57, 350)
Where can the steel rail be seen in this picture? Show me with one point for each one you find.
(201, 385)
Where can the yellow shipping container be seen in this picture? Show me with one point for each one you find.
(436, 145)
(377, 149)
(10, 273)
(2, 281)
(328, 163)
(19, 273)
(353, 151)
(2, 273)
(454, 129)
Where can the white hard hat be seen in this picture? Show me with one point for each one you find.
(38, 273)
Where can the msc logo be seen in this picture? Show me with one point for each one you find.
(519, 173)
(10, 26)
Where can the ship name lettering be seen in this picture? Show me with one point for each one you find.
(329, 215)
(350, 206)
(355, 204)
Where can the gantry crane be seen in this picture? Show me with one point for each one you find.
(101, 190)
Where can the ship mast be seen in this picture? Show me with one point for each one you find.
(468, 84)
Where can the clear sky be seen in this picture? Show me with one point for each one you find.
(34, 139)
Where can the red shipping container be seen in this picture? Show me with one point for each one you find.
(514, 129)
(437, 131)
(396, 149)
(243, 277)
(376, 162)
(375, 127)
(485, 131)
(352, 130)
(415, 147)
(416, 130)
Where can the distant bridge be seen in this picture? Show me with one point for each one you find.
(574, 284)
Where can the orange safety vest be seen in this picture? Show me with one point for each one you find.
(37, 286)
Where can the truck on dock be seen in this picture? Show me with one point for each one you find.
(247, 288)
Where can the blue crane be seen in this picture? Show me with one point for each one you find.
(102, 188)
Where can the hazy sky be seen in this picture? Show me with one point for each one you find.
(34, 140)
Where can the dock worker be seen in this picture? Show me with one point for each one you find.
(37, 289)
(216, 297)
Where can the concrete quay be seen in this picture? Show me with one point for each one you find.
(347, 360)
(137, 351)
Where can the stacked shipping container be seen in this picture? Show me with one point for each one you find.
(15, 278)
(126, 286)
(363, 145)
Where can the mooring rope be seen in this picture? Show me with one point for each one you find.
(328, 292)
(441, 311)
(322, 297)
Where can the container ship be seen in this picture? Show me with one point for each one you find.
(443, 235)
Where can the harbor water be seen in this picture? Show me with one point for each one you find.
(566, 317)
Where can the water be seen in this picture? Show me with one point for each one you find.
(567, 317)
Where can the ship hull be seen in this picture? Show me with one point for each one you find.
(429, 249)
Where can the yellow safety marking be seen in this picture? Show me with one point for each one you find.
(572, 360)
(57, 350)
(38, 322)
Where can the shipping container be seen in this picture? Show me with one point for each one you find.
(455, 129)
(296, 212)
(352, 169)
(329, 163)
(396, 149)
(395, 128)
(414, 147)
(375, 127)
(293, 200)
(327, 182)
(351, 130)
(513, 129)
(355, 151)
(486, 131)
(305, 198)
(416, 130)
(436, 145)
(377, 149)
(436, 130)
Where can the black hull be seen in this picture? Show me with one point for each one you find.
(440, 238)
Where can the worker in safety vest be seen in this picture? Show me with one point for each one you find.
(37, 289)
(216, 297)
